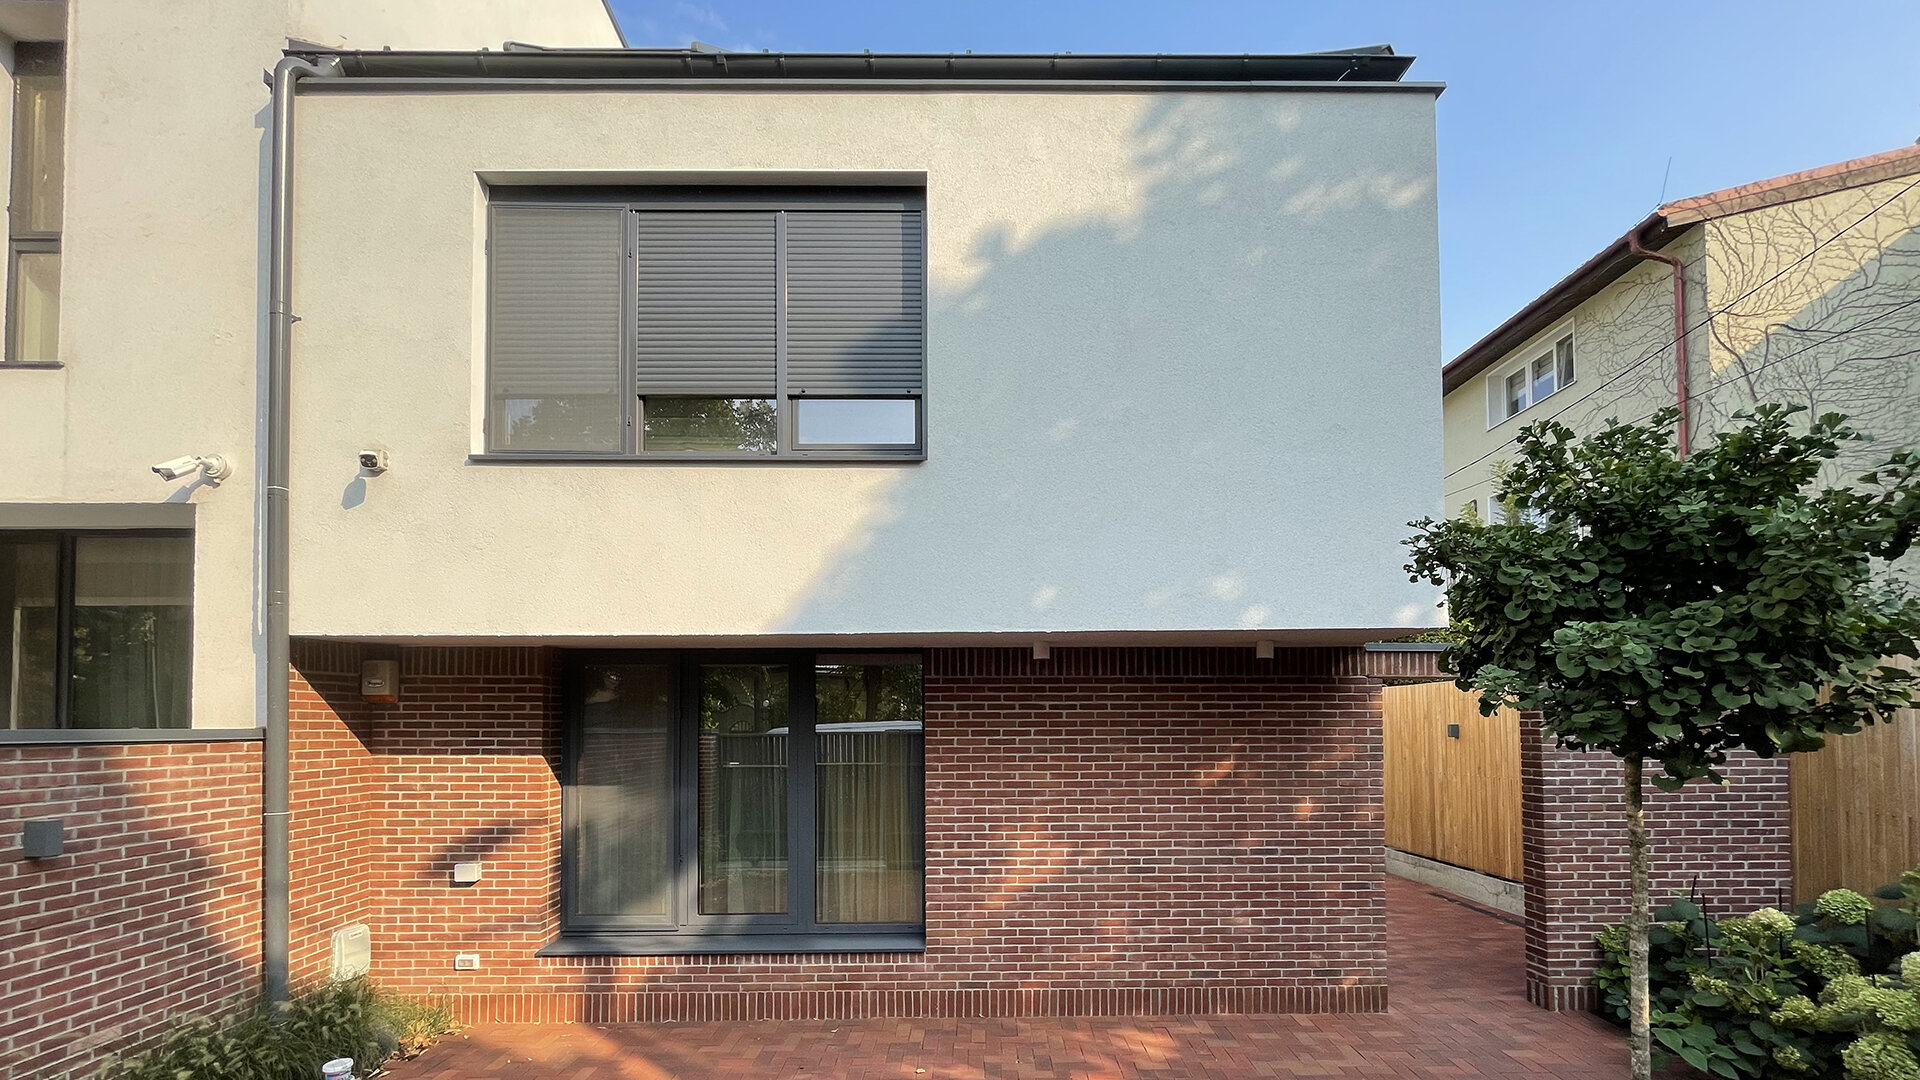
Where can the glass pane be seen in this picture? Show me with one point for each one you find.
(589, 423)
(743, 789)
(1516, 391)
(36, 306)
(711, 424)
(39, 104)
(868, 865)
(132, 632)
(623, 793)
(1542, 377)
(29, 572)
(856, 422)
(1564, 352)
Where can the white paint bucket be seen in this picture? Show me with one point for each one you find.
(338, 1069)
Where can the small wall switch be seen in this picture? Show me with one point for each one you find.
(1453, 731)
(43, 838)
(466, 961)
(466, 873)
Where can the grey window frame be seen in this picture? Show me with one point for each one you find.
(689, 932)
(775, 199)
(64, 583)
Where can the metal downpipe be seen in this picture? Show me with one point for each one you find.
(1685, 427)
(274, 555)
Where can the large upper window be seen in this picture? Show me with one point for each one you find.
(1547, 371)
(744, 802)
(34, 206)
(678, 323)
(98, 629)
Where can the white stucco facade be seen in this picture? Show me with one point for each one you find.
(1179, 373)
(162, 255)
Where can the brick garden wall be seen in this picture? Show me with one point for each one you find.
(1108, 831)
(1728, 848)
(151, 914)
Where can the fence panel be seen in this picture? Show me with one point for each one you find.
(1452, 798)
(1856, 809)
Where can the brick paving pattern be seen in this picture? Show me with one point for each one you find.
(1458, 1009)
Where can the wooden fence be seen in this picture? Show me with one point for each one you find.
(1856, 803)
(1856, 809)
(1452, 798)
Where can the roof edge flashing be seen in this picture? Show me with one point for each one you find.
(1370, 68)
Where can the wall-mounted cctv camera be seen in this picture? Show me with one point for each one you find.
(373, 462)
(177, 468)
(211, 468)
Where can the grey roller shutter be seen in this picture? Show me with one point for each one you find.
(707, 303)
(856, 302)
(557, 282)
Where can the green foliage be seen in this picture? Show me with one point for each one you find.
(348, 1019)
(1770, 996)
(1676, 609)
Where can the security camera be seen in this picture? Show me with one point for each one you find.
(212, 468)
(373, 462)
(177, 468)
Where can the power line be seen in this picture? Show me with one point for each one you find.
(1706, 321)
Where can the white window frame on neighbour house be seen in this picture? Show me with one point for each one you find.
(707, 323)
(1557, 351)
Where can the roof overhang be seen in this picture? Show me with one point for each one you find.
(1354, 68)
(1656, 231)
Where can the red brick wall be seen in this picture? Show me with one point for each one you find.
(1728, 848)
(1108, 831)
(335, 837)
(151, 914)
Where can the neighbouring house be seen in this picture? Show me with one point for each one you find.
(1803, 289)
(663, 534)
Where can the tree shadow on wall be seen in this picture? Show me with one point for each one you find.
(1186, 365)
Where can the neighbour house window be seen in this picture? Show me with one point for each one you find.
(98, 629)
(733, 797)
(682, 323)
(34, 205)
(1513, 390)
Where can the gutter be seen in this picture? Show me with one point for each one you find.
(275, 548)
(1568, 293)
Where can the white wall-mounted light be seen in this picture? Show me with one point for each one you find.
(1263, 649)
(212, 468)
(1041, 651)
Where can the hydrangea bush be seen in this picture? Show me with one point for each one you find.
(1831, 991)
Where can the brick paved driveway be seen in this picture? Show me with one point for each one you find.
(1457, 1010)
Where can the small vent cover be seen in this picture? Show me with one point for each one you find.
(352, 951)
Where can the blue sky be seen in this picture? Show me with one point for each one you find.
(1558, 120)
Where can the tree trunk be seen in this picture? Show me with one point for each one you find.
(1639, 1024)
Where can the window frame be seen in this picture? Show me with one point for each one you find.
(65, 581)
(1544, 347)
(689, 932)
(777, 199)
(31, 241)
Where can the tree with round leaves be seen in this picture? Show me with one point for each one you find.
(1669, 609)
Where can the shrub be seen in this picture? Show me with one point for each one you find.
(1830, 991)
(349, 1019)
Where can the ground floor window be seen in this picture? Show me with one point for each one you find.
(96, 629)
(716, 796)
